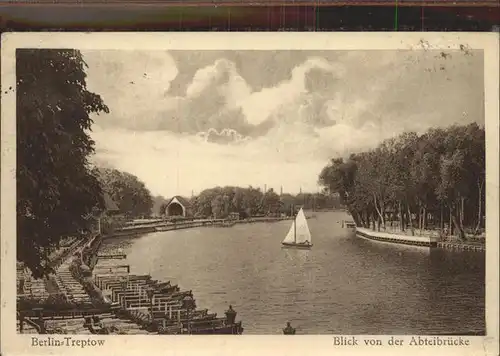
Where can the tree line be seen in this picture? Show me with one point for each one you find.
(131, 196)
(219, 202)
(435, 180)
(56, 189)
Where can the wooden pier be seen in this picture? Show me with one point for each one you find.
(348, 224)
(156, 306)
(163, 308)
(426, 241)
(112, 256)
(156, 226)
(461, 246)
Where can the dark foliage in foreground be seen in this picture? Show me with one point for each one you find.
(56, 191)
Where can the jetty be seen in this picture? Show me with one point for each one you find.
(461, 246)
(157, 306)
(348, 224)
(425, 241)
(156, 225)
(97, 294)
(471, 244)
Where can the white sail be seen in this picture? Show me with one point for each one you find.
(302, 232)
(290, 237)
(299, 231)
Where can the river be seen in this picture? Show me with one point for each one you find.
(343, 285)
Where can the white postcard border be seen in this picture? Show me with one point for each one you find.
(12, 343)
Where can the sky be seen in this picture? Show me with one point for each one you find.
(184, 121)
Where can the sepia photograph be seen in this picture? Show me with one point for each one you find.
(249, 191)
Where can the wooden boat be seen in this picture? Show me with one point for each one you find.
(349, 224)
(196, 320)
(216, 328)
(299, 235)
(233, 329)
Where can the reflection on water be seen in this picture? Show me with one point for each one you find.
(343, 285)
(296, 255)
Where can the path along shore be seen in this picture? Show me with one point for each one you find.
(427, 238)
(148, 226)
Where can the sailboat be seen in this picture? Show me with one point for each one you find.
(299, 235)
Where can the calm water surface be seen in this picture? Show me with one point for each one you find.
(343, 285)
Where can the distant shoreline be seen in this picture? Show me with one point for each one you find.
(155, 226)
(159, 224)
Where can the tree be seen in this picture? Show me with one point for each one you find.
(416, 179)
(287, 203)
(202, 204)
(163, 209)
(478, 163)
(270, 202)
(133, 198)
(159, 205)
(56, 189)
(250, 201)
(217, 205)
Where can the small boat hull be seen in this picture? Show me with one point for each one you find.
(293, 245)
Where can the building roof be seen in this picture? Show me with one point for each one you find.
(185, 202)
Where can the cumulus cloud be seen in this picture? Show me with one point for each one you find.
(289, 155)
(217, 97)
(222, 131)
(224, 78)
(132, 83)
(173, 164)
(259, 106)
(224, 136)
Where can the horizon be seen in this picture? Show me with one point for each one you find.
(185, 121)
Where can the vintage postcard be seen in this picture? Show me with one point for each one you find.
(280, 193)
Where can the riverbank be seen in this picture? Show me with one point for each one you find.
(425, 241)
(427, 238)
(108, 299)
(162, 225)
(156, 306)
(192, 259)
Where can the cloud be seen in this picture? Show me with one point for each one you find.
(224, 136)
(133, 84)
(219, 98)
(172, 164)
(222, 131)
(221, 76)
(288, 155)
(259, 106)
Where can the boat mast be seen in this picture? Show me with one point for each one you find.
(295, 228)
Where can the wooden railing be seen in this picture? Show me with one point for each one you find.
(64, 314)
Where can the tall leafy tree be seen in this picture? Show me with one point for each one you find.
(133, 198)
(159, 205)
(438, 176)
(56, 189)
(270, 202)
(221, 201)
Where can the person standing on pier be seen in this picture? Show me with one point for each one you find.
(230, 315)
(288, 330)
